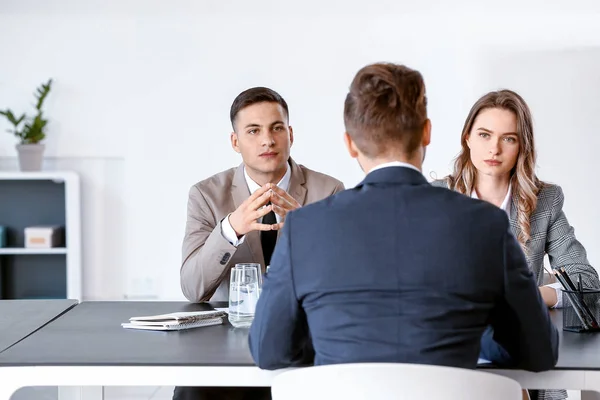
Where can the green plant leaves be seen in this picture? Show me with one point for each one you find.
(13, 120)
(41, 93)
(33, 130)
(11, 117)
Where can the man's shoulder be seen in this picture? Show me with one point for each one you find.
(219, 182)
(454, 199)
(437, 199)
(464, 209)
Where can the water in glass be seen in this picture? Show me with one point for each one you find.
(244, 291)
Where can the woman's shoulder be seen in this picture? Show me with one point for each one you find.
(550, 199)
(440, 182)
(549, 191)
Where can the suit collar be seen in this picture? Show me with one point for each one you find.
(239, 187)
(507, 203)
(296, 187)
(401, 175)
(394, 164)
(284, 182)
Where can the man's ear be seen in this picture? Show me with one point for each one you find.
(426, 134)
(350, 145)
(234, 142)
(291, 136)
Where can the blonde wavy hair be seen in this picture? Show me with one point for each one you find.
(525, 184)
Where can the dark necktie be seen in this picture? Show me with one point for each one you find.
(268, 238)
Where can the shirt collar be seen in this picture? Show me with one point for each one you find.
(394, 164)
(505, 204)
(284, 183)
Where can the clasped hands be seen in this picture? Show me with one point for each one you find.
(266, 199)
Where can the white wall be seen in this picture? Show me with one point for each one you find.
(143, 89)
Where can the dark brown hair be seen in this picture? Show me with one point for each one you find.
(255, 95)
(386, 109)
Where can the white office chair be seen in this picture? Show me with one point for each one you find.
(374, 381)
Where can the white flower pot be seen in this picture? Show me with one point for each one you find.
(31, 156)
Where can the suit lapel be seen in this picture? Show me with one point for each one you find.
(239, 188)
(297, 189)
(239, 193)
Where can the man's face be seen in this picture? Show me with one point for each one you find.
(263, 137)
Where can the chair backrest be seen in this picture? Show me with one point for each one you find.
(375, 381)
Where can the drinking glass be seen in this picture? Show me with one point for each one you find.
(244, 291)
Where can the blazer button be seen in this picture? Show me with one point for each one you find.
(225, 258)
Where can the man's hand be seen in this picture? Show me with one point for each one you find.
(282, 203)
(244, 219)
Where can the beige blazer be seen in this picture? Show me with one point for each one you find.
(207, 256)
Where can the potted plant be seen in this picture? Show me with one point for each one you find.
(29, 148)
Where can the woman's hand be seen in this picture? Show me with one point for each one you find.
(548, 295)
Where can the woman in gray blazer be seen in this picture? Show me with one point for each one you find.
(497, 164)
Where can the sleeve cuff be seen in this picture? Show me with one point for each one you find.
(229, 234)
(556, 286)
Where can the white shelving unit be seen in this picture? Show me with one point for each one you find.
(69, 182)
(20, 250)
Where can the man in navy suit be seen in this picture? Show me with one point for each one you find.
(396, 270)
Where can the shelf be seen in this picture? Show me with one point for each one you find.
(20, 250)
(32, 199)
(57, 176)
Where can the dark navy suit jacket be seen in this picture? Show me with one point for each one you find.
(396, 270)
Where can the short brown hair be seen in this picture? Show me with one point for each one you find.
(386, 109)
(256, 95)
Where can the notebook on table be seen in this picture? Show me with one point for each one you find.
(176, 321)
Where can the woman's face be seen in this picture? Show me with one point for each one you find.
(494, 142)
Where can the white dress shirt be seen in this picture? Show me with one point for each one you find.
(506, 207)
(226, 229)
(505, 204)
(394, 164)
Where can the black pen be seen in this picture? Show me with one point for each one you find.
(589, 316)
(574, 301)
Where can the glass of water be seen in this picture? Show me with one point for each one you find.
(244, 291)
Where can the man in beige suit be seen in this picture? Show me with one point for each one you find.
(234, 216)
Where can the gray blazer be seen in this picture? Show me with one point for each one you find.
(551, 234)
